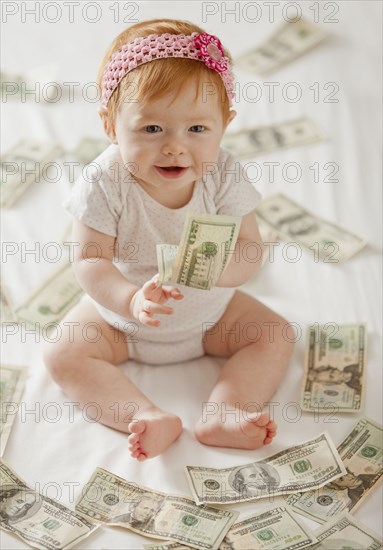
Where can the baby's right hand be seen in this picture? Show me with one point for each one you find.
(150, 299)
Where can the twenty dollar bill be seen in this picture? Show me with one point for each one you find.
(12, 381)
(274, 529)
(23, 165)
(346, 532)
(328, 241)
(290, 41)
(38, 520)
(334, 376)
(110, 499)
(362, 455)
(203, 253)
(265, 139)
(52, 299)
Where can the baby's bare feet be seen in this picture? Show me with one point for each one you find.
(152, 433)
(252, 432)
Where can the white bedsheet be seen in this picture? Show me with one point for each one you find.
(58, 457)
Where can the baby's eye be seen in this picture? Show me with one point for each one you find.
(197, 128)
(152, 129)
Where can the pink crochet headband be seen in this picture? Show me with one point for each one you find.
(201, 47)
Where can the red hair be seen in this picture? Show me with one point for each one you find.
(161, 76)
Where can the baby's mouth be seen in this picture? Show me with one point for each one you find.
(171, 168)
(171, 171)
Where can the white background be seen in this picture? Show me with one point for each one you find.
(52, 455)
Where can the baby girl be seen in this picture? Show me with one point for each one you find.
(167, 89)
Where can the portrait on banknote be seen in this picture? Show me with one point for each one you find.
(251, 479)
(142, 512)
(17, 503)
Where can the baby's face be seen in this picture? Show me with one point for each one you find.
(170, 141)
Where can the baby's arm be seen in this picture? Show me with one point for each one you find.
(247, 258)
(98, 276)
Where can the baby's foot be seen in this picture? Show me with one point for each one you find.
(252, 432)
(152, 433)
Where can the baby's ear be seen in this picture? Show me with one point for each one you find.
(108, 126)
(232, 114)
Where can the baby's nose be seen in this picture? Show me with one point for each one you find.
(174, 146)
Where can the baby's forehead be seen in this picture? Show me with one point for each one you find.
(171, 106)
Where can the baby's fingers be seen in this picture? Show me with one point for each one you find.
(149, 286)
(172, 292)
(147, 320)
(154, 308)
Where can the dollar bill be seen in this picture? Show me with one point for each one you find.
(205, 247)
(168, 546)
(12, 382)
(89, 148)
(306, 466)
(166, 254)
(38, 520)
(346, 532)
(56, 295)
(7, 314)
(362, 456)
(268, 235)
(23, 165)
(274, 529)
(111, 499)
(265, 139)
(42, 80)
(328, 241)
(334, 376)
(288, 43)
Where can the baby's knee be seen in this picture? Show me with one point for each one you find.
(280, 335)
(57, 361)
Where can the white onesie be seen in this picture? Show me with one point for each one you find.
(108, 198)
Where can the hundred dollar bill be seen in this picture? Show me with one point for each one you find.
(289, 42)
(265, 139)
(89, 148)
(52, 299)
(306, 466)
(168, 546)
(110, 499)
(12, 382)
(166, 254)
(23, 165)
(274, 529)
(346, 532)
(7, 314)
(329, 242)
(206, 244)
(38, 520)
(334, 376)
(362, 456)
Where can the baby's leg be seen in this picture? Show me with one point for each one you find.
(87, 372)
(258, 344)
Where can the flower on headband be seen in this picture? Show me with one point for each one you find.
(211, 51)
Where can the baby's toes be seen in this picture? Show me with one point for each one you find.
(132, 448)
(136, 426)
(141, 457)
(272, 426)
(136, 453)
(263, 420)
(133, 439)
